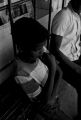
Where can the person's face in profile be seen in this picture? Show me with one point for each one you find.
(39, 50)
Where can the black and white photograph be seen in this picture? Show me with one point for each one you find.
(40, 59)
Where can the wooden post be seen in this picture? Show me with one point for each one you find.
(49, 23)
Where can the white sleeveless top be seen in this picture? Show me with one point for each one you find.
(31, 80)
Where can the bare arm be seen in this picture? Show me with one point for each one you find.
(49, 60)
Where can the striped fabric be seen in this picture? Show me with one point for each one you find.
(32, 82)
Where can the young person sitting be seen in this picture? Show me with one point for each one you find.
(37, 70)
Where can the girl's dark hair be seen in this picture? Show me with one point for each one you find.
(28, 33)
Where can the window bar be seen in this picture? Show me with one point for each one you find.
(34, 5)
(49, 23)
(11, 24)
(62, 4)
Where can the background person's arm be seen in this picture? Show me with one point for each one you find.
(54, 48)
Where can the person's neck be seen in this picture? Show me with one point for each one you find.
(30, 60)
(72, 9)
(27, 59)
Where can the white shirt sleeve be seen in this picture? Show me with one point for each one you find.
(80, 21)
(60, 23)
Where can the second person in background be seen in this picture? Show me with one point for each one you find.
(66, 44)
